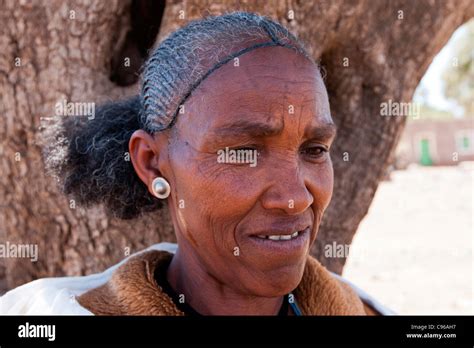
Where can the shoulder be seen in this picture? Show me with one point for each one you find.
(134, 279)
(371, 305)
(322, 292)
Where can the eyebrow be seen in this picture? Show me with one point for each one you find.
(249, 128)
(324, 131)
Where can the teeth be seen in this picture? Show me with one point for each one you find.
(280, 237)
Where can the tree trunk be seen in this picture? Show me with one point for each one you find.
(50, 50)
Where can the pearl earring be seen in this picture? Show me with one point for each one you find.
(160, 187)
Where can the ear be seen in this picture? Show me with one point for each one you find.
(148, 154)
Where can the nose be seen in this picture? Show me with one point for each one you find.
(287, 192)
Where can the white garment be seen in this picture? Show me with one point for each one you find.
(57, 296)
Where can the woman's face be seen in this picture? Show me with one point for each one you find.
(228, 216)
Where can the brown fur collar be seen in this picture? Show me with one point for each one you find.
(132, 290)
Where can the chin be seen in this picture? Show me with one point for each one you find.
(280, 281)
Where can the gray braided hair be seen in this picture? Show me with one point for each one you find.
(93, 169)
(192, 53)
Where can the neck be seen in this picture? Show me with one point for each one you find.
(208, 296)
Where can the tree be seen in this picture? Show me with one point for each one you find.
(371, 51)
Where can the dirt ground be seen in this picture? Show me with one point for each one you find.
(413, 251)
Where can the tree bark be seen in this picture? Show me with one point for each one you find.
(66, 54)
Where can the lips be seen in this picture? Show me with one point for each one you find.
(279, 244)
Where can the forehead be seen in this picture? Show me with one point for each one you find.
(262, 83)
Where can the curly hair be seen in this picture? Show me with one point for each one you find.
(93, 168)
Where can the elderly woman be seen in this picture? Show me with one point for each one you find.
(232, 129)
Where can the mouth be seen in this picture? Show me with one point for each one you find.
(275, 244)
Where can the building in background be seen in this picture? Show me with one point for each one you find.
(436, 142)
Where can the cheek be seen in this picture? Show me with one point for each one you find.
(321, 185)
(215, 197)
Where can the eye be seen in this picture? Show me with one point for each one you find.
(315, 151)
